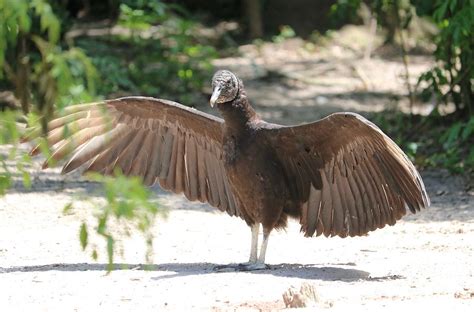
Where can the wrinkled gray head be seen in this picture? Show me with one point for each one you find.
(225, 87)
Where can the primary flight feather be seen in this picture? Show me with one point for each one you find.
(340, 175)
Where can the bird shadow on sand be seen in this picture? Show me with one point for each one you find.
(326, 272)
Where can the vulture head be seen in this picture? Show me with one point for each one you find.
(225, 87)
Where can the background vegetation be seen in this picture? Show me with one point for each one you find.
(57, 53)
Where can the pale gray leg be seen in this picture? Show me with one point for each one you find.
(263, 248)
(254, 246)
(260, 263)
(255, 263)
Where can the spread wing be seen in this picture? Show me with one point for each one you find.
(161, 141)
(347, 175)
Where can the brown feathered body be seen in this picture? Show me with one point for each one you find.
(353, 183)
(252, 166)
(340, 175)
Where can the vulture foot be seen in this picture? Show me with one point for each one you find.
(242, 267)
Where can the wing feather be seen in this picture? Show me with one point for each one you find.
(142, 159)
(202, 175)
(166, 154)
(326, 206)
(107, 160)
(348, 177)
(191, 169)
(213, 194)
(170, 181)
(312, 208)
(157, 140)
(338, 205)
(357, 213)
(180, 173)
(68, 145)
(377, 200)
(350, 212)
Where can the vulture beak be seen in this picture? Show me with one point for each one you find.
(215, 95)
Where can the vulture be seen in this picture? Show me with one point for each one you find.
(338, 176)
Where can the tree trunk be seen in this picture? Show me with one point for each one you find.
(253, 13)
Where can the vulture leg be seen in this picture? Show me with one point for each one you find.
(263, 248)
(254, 245)
(255, 263)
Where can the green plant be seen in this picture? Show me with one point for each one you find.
(286, 32)
(344, 11)
(33, 62)
(451, 79)
(39, 71)
(393, 15)
(434, 141)
(161, 56)
(11, 166)
(129, 206)
(457, 144)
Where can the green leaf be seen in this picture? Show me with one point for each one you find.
(452, 5)
(451, 135)
(468, 130)
(5, 183)
(412, 147)
(68, 208)
(110, 253)
(83, 235)
(440, 12)
(26, 180)
(102, 225)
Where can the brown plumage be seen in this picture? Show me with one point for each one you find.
(340, 175)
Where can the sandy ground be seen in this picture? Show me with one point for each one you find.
(425, 261)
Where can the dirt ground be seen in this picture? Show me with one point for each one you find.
(425, 261)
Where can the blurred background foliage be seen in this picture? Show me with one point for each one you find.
(55, 53)
(451, 80)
